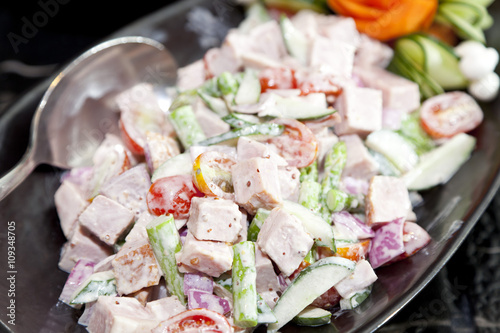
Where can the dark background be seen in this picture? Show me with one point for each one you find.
(463, 297)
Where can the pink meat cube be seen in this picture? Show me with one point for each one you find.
(359, 164)
(387, 200)
(70, 202)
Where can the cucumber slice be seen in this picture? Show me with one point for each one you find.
(463, 28)
(440, 164)
(312, 106)
(98, 284)
(295, 41)
(296, 5)
(240, 120)
(355, 299)
(215, 104)
(394, 147)
(256, 224)
(249, 89)
(468, 11)
(311, 282)
(178, 165)
(386, 167)
(441, 63)
(312, 316)
(267, 129)
(318, 228)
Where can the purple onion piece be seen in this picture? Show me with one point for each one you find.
(283, 281)
(387, 243)
(349, 224)
(198, 281)
(80, 272)
(201, 299)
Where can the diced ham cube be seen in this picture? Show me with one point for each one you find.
(343, 29)
(289, 178)
(387, 200)
(165, 307)
(159, 148)
(106, 219)
(138, 231)
(130, 189)
(248, 148)
(142, 295)
(242, 236)
(70, 202)
(398, 93)
(210, 122)
(332, 57)
(256, 184)
(362, 277)
(259, 61)
(267, 39)
(104, 264)
(267, 280)
(371, 52)
(191, 76)
(284, 240)
(135, 267)
(359, 163)
(120, 315)
(306, 21)
(221, 59)
(82, 245)
(214, 219)
(211, 258)
(360, 110)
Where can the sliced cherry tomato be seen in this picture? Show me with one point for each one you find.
(195, 320)
(297, 144)
(328, 299)
(212, 174)
(141, 116)
(448, 114)
(277, 78)
(355, 251)
(172, 195)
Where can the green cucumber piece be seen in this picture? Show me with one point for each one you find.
(215, 104)
(186, 126)
(98, 284)
(386, 167)
(244, 275)
(355, 299)
(312, 316)
(267, 129)
(394, 147)
(439, 165)
(240, 120)
(256, 224)
(249, 89)
(178, 165)
(461, 26)
(296, 5)
(441, 63)
(309, 284)
(469, 12)
(302, 108)
(314, 225)
(295, 41)
(413, 132)
(255, 15)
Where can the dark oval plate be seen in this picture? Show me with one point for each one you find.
(448, 214)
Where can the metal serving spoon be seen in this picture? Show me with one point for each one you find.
(78, 109)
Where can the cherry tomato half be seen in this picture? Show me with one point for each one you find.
(297, 144)
(446, 115)
(172, 195)
(196, 320)
(277, 78)
(212, 174)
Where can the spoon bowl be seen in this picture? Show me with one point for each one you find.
(78, 108)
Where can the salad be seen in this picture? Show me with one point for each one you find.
(283, 175)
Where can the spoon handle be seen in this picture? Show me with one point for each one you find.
(17, 174)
